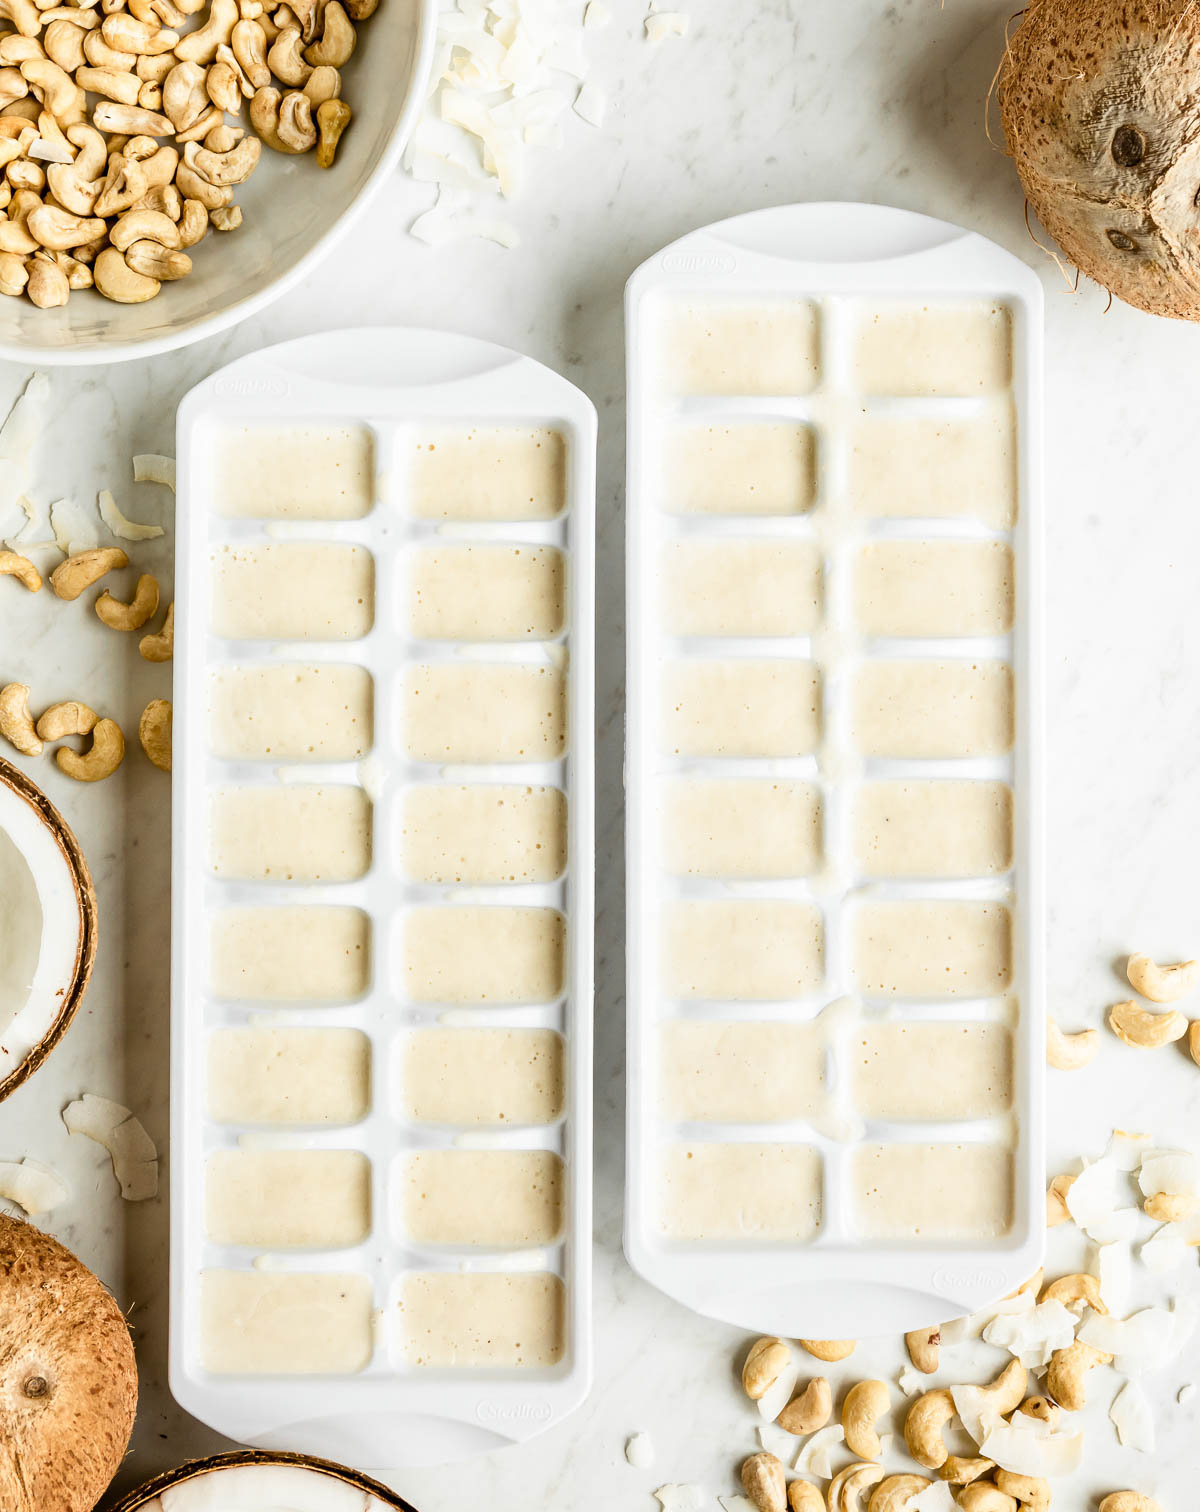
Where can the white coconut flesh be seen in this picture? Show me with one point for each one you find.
(41, 928)
(264, 1488)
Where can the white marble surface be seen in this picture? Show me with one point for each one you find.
(764, 103)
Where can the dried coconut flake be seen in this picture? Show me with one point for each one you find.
(134, 1154)
(121, 526)
(639, 1451)
(153, 467)
(682, 1498)
(32, 1186)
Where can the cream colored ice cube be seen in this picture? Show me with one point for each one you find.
(759, 950)
(924, 588)
(933, 829)
(280, 955)
(488, 593)
(288, 1199)
(740, 1191)
(485, 712)
(743, 468)
(932, 1191)
(746, 828)
(932, 948)
(933, 709)
(289, 1076)
(489, 473)
(484, 834)
(762, 347)
(936, 467)
(272, 1323)
(719, 1071)
(934, 1071)
(741, 708)
(296, 472)
(911, 348)
(290, 833)
(293, 591)
(501, 1198)
(486, 954)
(291, 712)
(741, 587)
(483, 1076)
(481, 1320)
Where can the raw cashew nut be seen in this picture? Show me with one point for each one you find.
(13, 278)
(1162, 984)
(338, 38)
(117, 281)
(962, 1470)
(333, 116)
(1170, 1207)
(194, 186)
(1076, 1292)
(324, 83)
(1040, 1407)
(226, 218)
(233, 167)
(249, 46)
(160, 647)
(185, 96)
(849, 1484)
(1031, 1492)
(895, 1493)
(23, 14)
(72, 577)
(1006, 1393)
(1066, 1379)
(1194, 1041)
(100, 760)
(829, 1350)
(13, 564)
(154, 732)
(983, 1496)
(68, 718)
(296, 129)
(132, 616)
(127, 34)
(193, 222)
(1057, 1210)
(144, 225)
(64, 99)
(284, 59)
(123, 87)
(200, 46)
(922, 1345)
(60, 230)
(16, 722)
(1129, 1501)
(1070, 1052)
(803, 1496)
(123, 186)
(865, 1404)
(1144, 1029)
(928, 1415)
(767, 1360)
(810, 1410)
(764, 1482)
(154, 261)
(131, 120)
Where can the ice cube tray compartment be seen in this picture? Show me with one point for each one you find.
(384, 962)
(840, 402)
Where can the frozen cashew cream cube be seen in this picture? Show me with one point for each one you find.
(744, 468)
(716, 1071)
(291, 833)
(289, 1076)
(484, 834)
(741, 708)
(293, 591)
(759, 950)
(932, 949)
(291, 712)
(503, 1198)
(288, 1199)
(740, 1191)
(483, 955)
(741, 587)
(933, 709)
(264, 1323)
(936, 467)
(745, 828)
(485, 712)
(931, 1071)
(487, 593)
(291, 955)
(296, 472)
(933, 829)
(482, 1319)
(932, 1191)
(945, 588)
(950, 348)
(489, 472)
(753, 347)
(482, 1076)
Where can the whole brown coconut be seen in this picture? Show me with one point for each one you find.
(1101, 108)
(68, 1382)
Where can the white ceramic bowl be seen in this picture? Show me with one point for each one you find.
(294, 213)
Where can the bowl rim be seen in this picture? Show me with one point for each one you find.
(89, 920)
(237, 1457)
(221, 320)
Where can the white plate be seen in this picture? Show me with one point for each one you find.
(838, 256)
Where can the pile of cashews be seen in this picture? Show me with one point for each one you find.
(116, 153)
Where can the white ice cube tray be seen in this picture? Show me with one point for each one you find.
(846, 262)
(398, 383)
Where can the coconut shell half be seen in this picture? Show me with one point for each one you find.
(194, 1469)
(69, 975)
(68, 1381)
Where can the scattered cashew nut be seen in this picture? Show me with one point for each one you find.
(927, 1417)
(1162, 984)
(767, 1360)
(961, 1469)
(1143, 1029)
(829, 1350)
(1129, 1501)
(68, 718)
(1006, 1393)
(764, 1482)
(100, 760)
(160, 647)
(895, 1493)
(154, 732)
(13, 564)
(133, 615)
(865, 1404)
(984, 1496)
(1066, 1378)
(1075, 1292)
(922, 1345)
(1031, 1492)
(1170, 1207)
(848, 1485)
(1070, 1052)
(1057, 1210)
(803, 1496)
(1040, 1407)
(70, 578)
(810, 1410)
(16, 722)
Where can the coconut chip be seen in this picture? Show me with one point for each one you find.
(36, 530)
(1114, 1271)
(737, 1504)
(779, 1393)
(962, 1330)
(1174, 1172)
(1145, 1341)
(682, 1498)
(50, 151)
(814, 1457)
(1035, 1335)
(74, 530)
(121, 526)
(1126, 1149)
(1185, 1393)
(596, 15)
(134, 1155)
(1094, 1195)
(911, 1382)
(639, 1451)
(18, 437)
(153, 467)
(1132, 1418)
(1166, 1250)
(935, 1498)
(32, 1186)
(590, 105)
(777, 1441)
(663, 24)
(1027, 1446)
